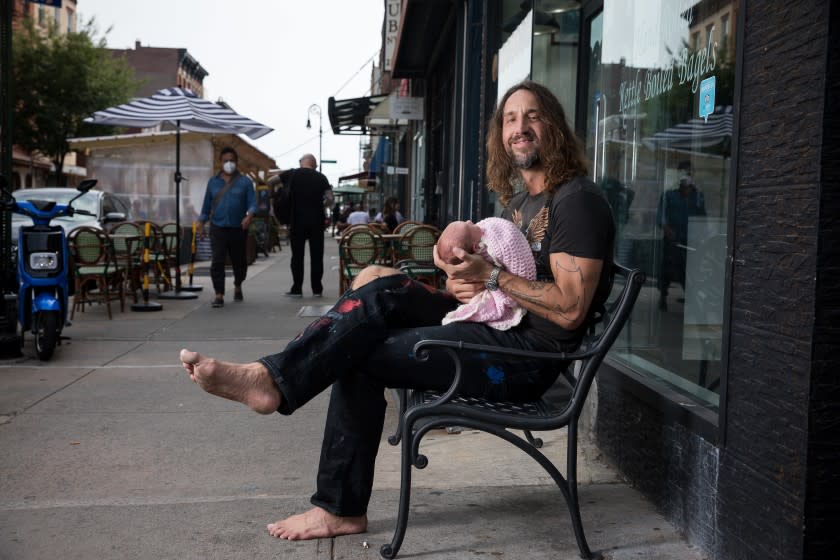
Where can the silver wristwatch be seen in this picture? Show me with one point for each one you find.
(493, 283)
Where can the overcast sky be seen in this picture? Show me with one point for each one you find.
(269, 59)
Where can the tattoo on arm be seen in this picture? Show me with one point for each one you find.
(538, 292)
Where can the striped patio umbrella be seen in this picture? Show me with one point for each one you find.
(184, 109)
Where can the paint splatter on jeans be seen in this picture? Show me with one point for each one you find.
(364, 344)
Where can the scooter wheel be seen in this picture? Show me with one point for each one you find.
(46, 334)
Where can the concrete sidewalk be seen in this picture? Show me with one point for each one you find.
(109, 451)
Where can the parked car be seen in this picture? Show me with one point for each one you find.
(106, 208)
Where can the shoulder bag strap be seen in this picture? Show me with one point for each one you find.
(220, 195)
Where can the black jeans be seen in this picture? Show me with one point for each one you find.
(365, 344)
(298, 237)
(226, 241)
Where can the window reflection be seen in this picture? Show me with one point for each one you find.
(659, 128)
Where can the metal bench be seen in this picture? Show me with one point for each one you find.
(422, 411)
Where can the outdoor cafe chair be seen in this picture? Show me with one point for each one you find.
(127, 238)
(414, 254)
(169, 248)
(406, 225)
(422, 411)
(359, 247)
(98, 276)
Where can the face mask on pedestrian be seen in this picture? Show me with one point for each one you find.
(229, 167)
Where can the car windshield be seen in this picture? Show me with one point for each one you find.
(87, 202)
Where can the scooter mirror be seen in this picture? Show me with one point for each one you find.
(86, 185)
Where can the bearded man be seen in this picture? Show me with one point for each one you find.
(570, 226)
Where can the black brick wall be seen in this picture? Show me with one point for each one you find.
(771, 488)
(763, 467)
(671, 466)
(822, 509)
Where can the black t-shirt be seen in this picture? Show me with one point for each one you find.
(308, 189)
(576, 220)
(391, 221)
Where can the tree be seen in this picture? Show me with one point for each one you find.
(59, 80)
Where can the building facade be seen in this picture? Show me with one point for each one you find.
(710, 128)
(160, 67)
(141, 166)
(33, 169)
(64, 17)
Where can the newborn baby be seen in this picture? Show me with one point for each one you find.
(499, 241)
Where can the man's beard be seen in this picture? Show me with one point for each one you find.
(521, 160)
(525, 161)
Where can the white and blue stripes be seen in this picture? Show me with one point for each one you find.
(179, 106)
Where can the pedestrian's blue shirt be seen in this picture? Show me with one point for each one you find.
(231, 209)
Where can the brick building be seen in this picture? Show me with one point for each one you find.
(43, 15)
(161, 67)
(32, 169)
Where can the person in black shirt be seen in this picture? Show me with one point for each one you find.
(311, 193)
(364, 343)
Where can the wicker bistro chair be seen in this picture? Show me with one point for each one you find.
(127, 238)
(168, 250)
(406, 225)
(414, 254)
(422, 411)
(99, 277)
(358, 247)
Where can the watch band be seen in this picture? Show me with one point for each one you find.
(493, 283)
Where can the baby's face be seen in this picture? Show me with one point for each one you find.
(465, 235)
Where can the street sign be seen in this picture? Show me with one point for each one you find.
(328, 161)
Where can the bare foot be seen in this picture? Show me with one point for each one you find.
(316, 523)
(250, 384)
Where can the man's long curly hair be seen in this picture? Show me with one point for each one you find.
(561, 152)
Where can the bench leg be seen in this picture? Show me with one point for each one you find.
(572, 495)
(402, 396)
(391, 549)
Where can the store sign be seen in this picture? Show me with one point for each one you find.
(707, 98)
(688, 67)
(392, 27)
(410, 108)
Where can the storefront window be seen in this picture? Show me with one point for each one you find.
(658, 132)
(556, 41)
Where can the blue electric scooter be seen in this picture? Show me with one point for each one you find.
(42, 263)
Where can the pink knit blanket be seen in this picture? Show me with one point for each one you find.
(503, 245)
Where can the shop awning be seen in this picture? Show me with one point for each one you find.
(347, 116)
(381, 156)
(349, 189)
(423, 25)
(354, 177)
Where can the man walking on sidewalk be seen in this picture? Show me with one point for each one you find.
(310, 194)
(229, 206)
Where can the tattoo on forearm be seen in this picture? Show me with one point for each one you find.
(538, 292)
